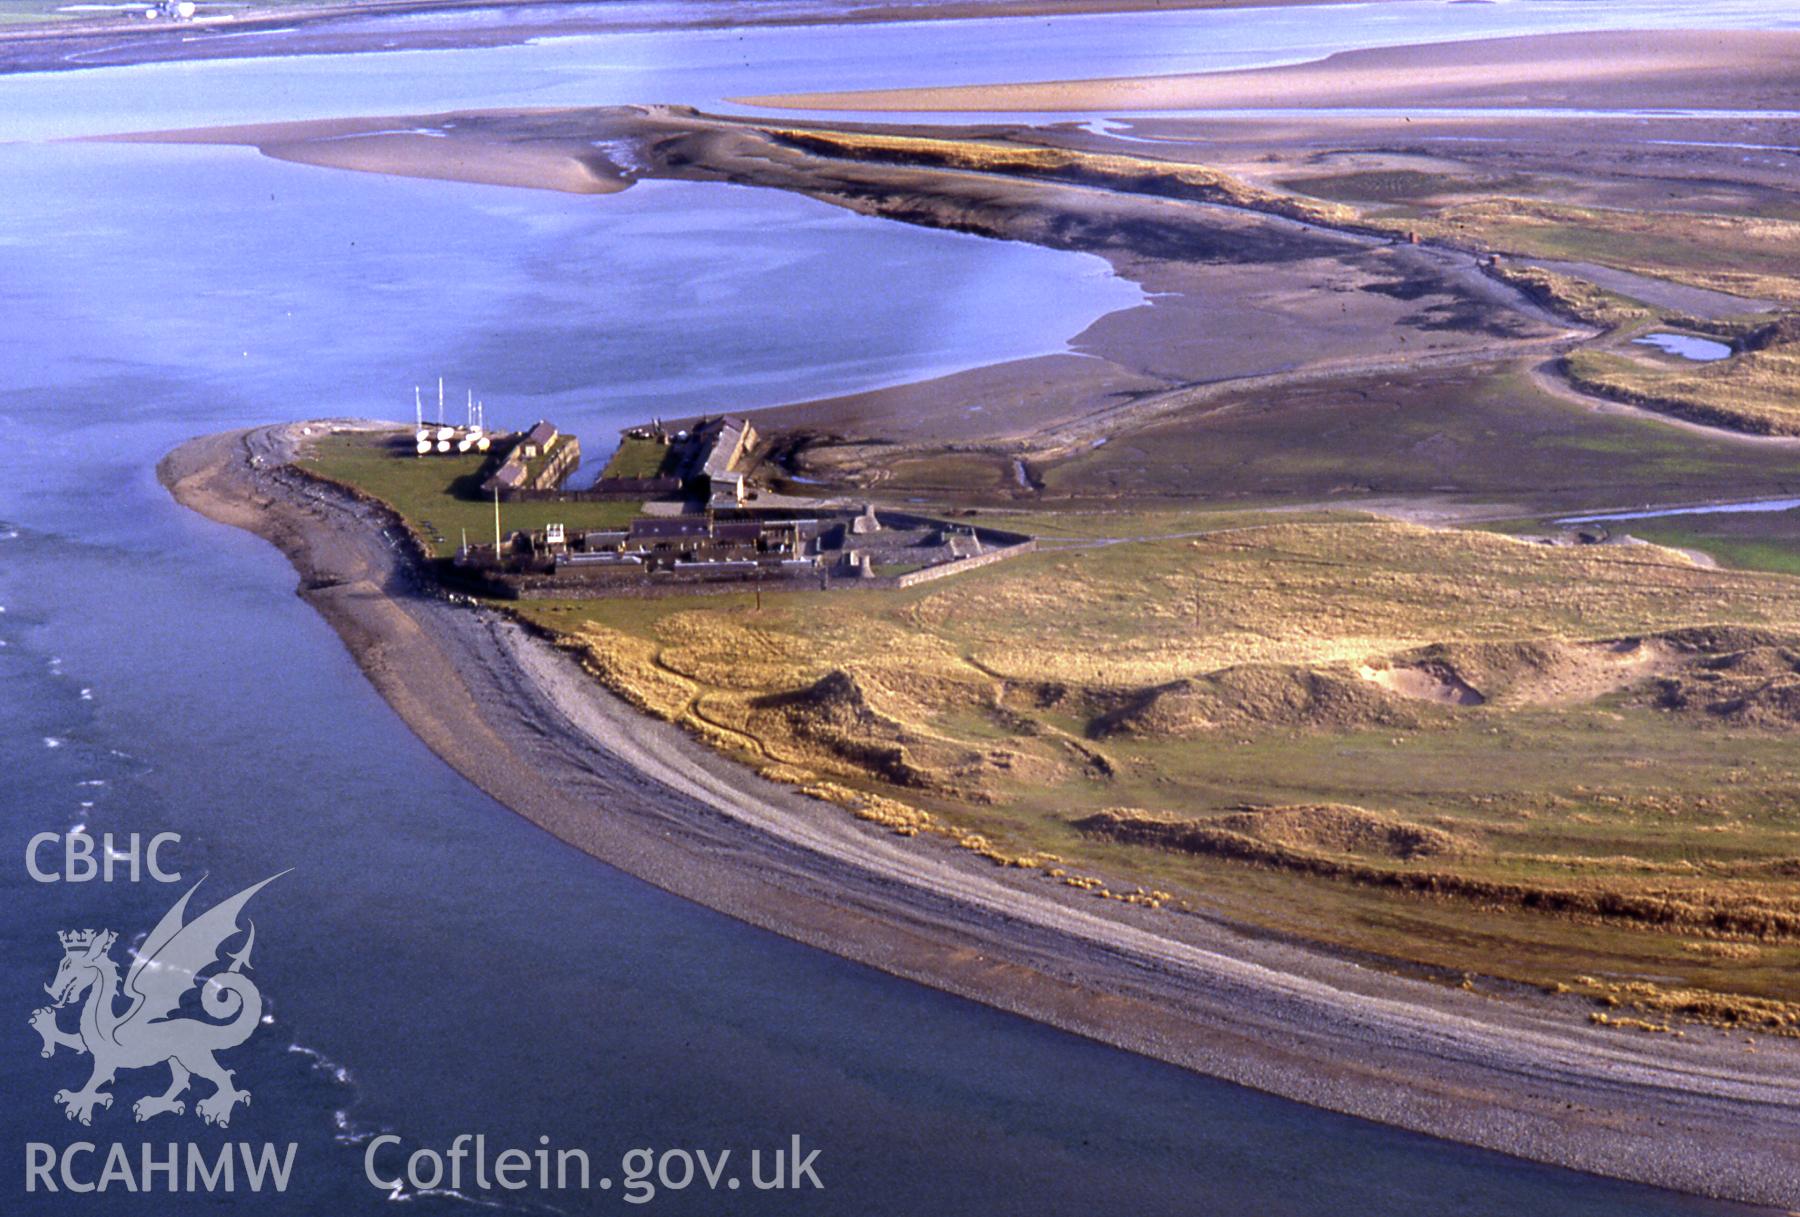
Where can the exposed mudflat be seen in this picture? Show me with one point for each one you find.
(1259, 298)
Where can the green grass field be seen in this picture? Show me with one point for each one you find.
(1743, 541)
(639, 458)
(440, 496)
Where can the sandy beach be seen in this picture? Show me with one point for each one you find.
(1712, 69)
(1526, 1074)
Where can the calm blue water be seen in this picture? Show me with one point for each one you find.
(709, 67)
(1700, 350)
(1755, 505)
(437, 966)
(293, 291)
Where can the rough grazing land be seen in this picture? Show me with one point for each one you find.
(1426, 726)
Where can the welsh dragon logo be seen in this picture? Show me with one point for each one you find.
(148, 1032)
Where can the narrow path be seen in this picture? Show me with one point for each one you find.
(1547, 379)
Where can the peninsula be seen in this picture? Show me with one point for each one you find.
(1387, 697)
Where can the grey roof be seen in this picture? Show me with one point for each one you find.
(729, 434)
(722, 454)
(658, 527)
(742, 530)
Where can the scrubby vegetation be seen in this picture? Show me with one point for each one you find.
(1741, 255)
(1128, 174)
(1570, 296)
(1455, 747)
(1755, 390)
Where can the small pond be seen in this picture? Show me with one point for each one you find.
(1701, 350)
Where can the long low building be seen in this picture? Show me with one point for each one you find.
(688, 542)
(829, 547)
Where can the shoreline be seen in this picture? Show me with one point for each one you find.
(1238, 268)
(1209, 251)
(1525, 1076)
(340, 27)
(1626, 70)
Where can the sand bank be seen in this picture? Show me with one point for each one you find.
(417, 154)
(1245, 279)
(363, 26)
(1666, 69)
(519, 718)
(402, 147)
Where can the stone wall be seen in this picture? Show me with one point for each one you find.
(945, 569)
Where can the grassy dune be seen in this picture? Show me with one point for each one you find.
(1753, 391)
(1127, 174)
(1573, 297)
(1735, 254)
(1457, 748)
